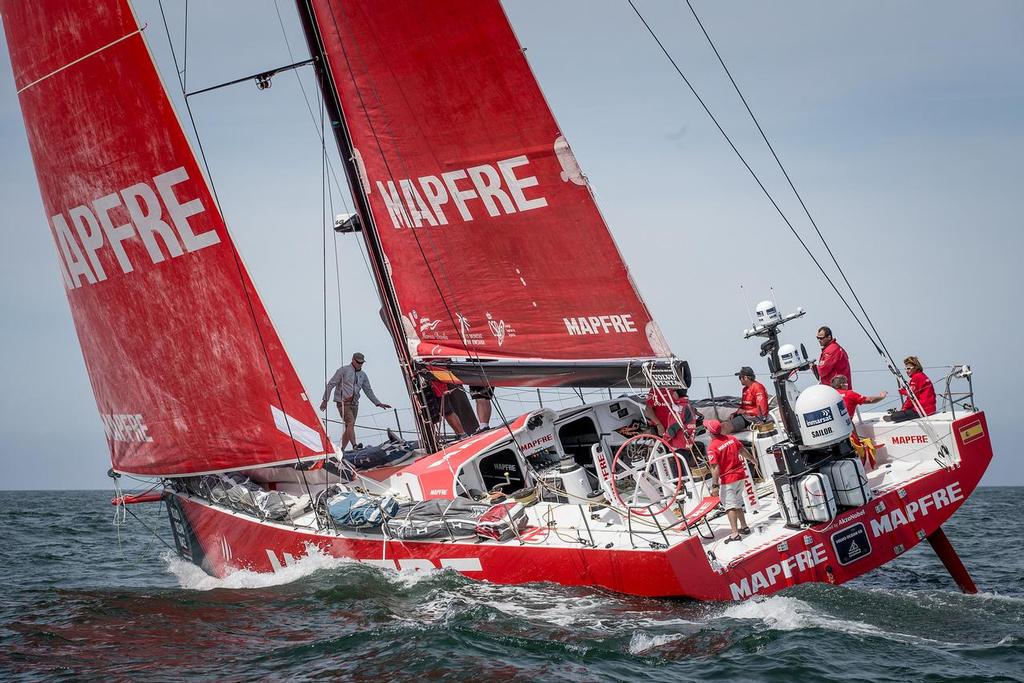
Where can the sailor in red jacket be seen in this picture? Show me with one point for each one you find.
(725, 456)
(753, 404)
(670, 413)
(922, 389)
(851, 398)
(833, 360)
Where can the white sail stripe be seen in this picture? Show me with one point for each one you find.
(82, 58)
(304, 434)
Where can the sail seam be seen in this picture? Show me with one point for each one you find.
(81, 59)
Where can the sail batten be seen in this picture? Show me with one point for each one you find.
(188, 372)
(493, 244)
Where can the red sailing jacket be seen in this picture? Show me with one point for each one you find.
(675, 414)
(925, 392)
(755, 400)
(852, 400)
(834, 361)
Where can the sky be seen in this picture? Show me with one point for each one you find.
(900, 123)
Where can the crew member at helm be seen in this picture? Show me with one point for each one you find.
(670, 413)
(753, 403)
(833, 360)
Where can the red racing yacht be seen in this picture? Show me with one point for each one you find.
(494, 269)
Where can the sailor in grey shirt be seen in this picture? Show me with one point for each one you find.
(347, 383)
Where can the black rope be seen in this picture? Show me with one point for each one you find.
(754, 175)
(150, 530)
(792, 186)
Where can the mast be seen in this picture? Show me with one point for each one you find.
(391, 310)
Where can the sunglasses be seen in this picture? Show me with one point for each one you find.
(823, 338)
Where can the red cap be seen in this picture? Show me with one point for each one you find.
(713, 426)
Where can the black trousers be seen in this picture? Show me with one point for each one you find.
(904, 415)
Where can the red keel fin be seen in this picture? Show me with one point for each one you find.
(951, 561)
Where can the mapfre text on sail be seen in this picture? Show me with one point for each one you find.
(152, 212)
(495, 188)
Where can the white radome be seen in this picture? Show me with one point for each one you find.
(822, 416)
(766, 313)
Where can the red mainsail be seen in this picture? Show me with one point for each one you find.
(494, 246)
(188, 371)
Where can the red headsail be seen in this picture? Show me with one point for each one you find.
(493, 241)
(188, 372)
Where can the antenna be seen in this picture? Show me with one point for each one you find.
(746, 305)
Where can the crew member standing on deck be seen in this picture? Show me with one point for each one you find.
(347, 383)
(482, 396)
(727, 475)
(833, 360)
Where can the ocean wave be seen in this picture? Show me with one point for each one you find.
(784, 613)
(191, 577)
(642, 643)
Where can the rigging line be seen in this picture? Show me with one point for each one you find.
(386, 285)
(757, 180)
(386, 294)
(177, 69)
(324, 190)
(309, 107)
(184, 56)
(81, 59)
(236, 257)
(789, 180)
(471, 354)
(337, 289)
(150, 530)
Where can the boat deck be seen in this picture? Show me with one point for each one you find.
(907, 451)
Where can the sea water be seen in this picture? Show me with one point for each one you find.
(83, 598)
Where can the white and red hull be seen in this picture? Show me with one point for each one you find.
(891, 524)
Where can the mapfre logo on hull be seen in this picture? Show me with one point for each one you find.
(459, 564)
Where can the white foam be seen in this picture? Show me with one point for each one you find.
(987, 595)
(784, 613)
(192, 577)
(642, 642)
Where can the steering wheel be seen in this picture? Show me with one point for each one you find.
(655, 453)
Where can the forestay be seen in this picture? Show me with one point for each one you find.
(188, 372)
(494, 246)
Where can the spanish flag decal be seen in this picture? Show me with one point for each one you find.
(971, 432)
